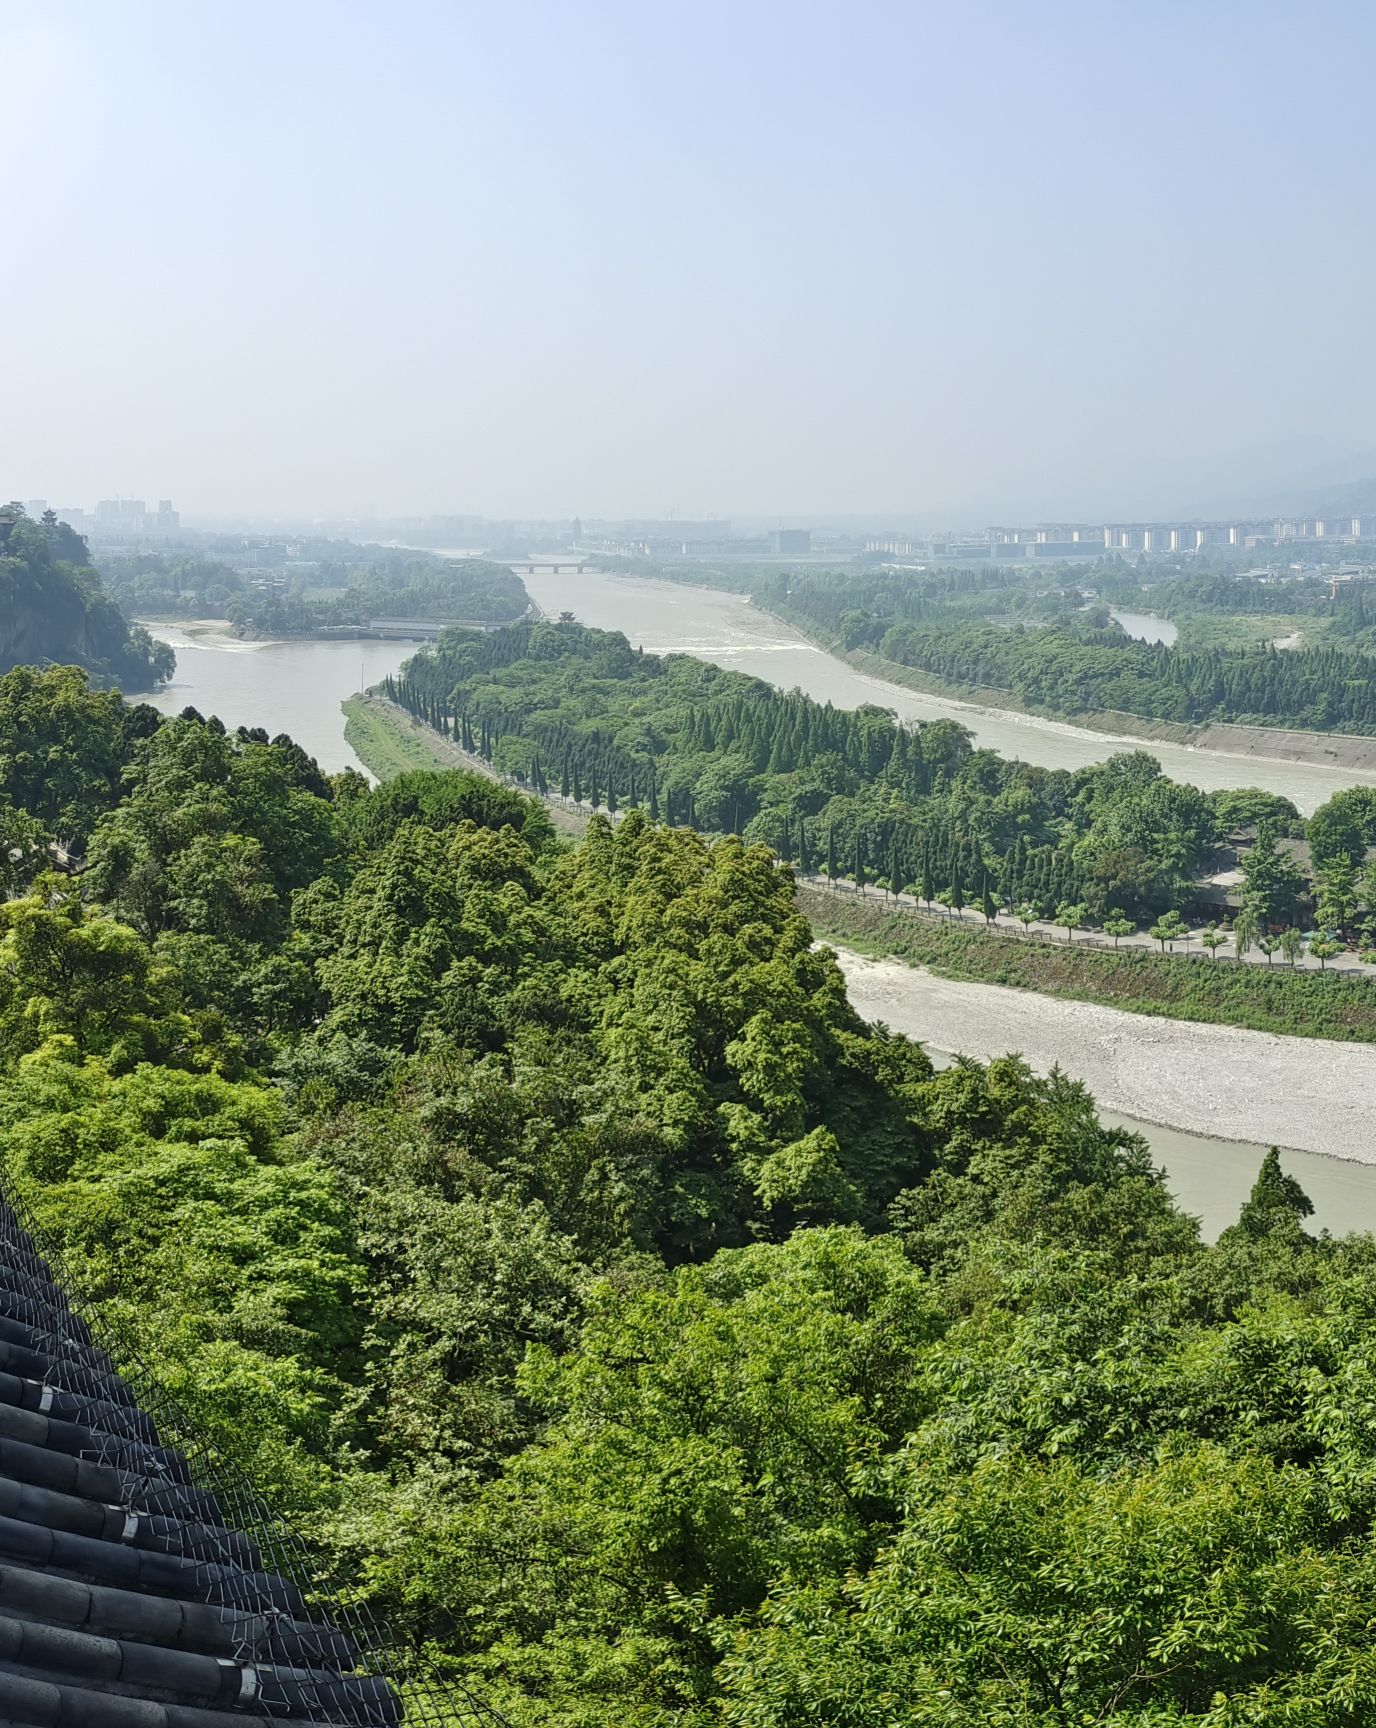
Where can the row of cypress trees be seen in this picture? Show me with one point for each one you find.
(908, 848)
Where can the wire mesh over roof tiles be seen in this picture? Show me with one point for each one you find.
(144, 1583)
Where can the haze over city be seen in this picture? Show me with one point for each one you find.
(949, 263)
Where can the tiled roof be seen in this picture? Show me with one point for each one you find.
(128, 1599)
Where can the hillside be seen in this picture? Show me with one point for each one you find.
(55, 611)
(644, 1332)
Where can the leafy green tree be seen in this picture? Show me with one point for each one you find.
(1247, 928)
(1341, 830)
(227, 1253)
(1118, 927)
(1168, 929)
(1070, 916)
(1028, 1590)
(23, 850)
(1213, 939)
(64, 748)
(1277, 1201)
(67, 971)
(1338, 895)
(708, 1438)
(1271, 881)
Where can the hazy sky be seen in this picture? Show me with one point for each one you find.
(972, 259)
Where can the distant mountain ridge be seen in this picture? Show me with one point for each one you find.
(1353, 498)
(55, 611)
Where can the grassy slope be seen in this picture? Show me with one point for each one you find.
(1267, 999)
(385, 749)
(388, 742)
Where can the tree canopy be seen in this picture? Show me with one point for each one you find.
(54, 609)
(655, 1339)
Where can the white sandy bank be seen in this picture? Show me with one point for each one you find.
(1309, 1093)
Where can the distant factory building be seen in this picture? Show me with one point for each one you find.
(790, 540)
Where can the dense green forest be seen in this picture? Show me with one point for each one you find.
(1075, 668)
(658, 1340)
(329, 585)
(171, 585)
(54, 609)
(855, 793)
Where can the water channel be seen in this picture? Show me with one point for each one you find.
(292, 687)
(1145, 626)
(296, 687)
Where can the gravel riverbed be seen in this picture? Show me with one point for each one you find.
(1307, 1093)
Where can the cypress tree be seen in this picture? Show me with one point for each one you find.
(859, 871)
(654, 797)
(987, 903)
(831, 853)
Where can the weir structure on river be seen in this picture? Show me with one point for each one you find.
(144, 1583)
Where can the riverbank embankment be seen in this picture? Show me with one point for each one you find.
(1264, 743)
(1318, 1096)
(389, 741)
(1312, 1003)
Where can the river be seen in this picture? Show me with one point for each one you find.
(1315, 1097)
(673, 618)
(293, 687)
(1146, 626)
